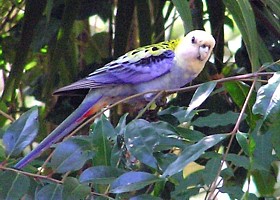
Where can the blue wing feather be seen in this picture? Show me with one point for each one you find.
(125, 72)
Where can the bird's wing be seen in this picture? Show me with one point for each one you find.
(137, 66)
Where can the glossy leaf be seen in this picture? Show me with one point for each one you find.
(100, 175)
(192, 152)
(201, 94)
(71, 155)
(268, 99)
(22, 132)
(141, 139)
(132, 181)
(13, 185)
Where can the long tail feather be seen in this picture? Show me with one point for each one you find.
(91, 104)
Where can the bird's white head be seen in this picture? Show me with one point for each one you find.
(193, 51)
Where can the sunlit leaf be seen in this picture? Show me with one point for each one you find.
(244, 17)
(22, 132)
(184, 10)
(201, 94)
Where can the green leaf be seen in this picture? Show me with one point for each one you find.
(238, 160)
(239, 92)
(193, 152)
(13, 185)
(211, 170)
(201, 94)
(235, 192)
(268, 99)
(101, 134)
(71, 155)
(74, 190)
(141, 139)
(244, 17)
(179, 113)
(132, 181)
(49, 192)
(187, 187)
(215, 119)
(184, 10)
(100, 175)
(121, 125)
(242, 139)
(263, 151)
(189, 134)
(21, 132)
(264, 181)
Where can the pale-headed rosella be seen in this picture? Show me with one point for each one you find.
(162, 66)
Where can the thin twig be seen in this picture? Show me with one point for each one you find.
(233, 133)
(30, 174)
(7, 116)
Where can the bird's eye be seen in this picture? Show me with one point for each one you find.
(193, 39)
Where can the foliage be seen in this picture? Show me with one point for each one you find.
(221, 139)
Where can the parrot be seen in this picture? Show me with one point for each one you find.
(162, 66)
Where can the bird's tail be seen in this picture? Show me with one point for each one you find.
(91, 104)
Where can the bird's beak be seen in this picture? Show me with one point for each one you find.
(203, 52)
